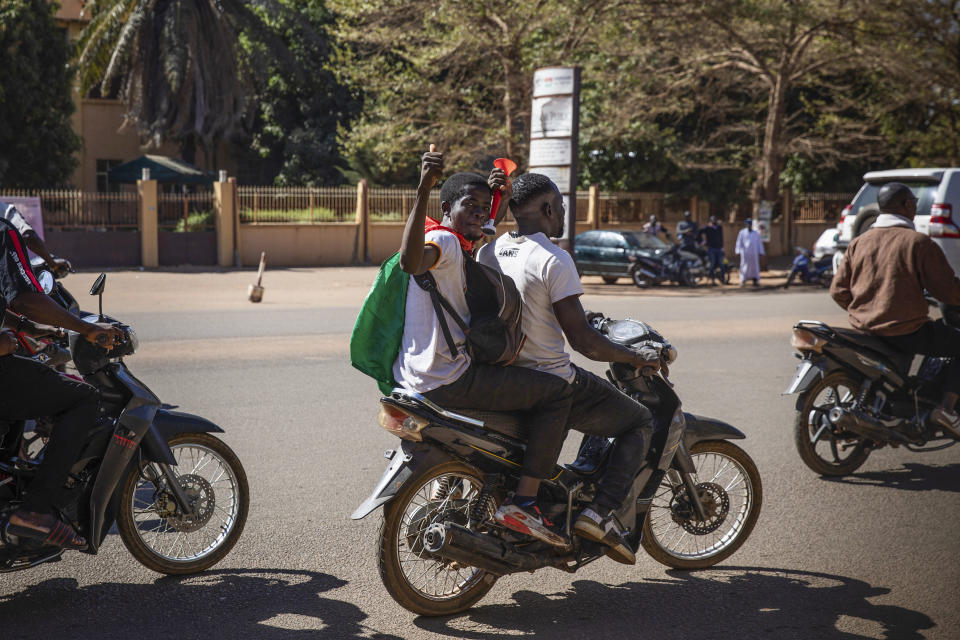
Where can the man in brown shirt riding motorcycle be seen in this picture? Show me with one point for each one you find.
(881, 284)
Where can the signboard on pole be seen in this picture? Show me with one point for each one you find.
(764, 218)
(554, 132)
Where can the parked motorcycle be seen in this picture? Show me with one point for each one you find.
(675, 265)
(810, 271)
(179, 495)
(692, 504)
(856, 395)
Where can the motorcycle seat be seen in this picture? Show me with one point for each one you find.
(511, 424)
(900, 359)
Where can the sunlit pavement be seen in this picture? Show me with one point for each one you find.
(871, 556)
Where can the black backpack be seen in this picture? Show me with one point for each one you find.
(495, 334)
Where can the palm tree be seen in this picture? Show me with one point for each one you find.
(175, 64)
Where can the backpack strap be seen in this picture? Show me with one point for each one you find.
(427, 282)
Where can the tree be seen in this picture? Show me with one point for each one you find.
(918, 51)
(37, 142)
(454, 73)
(175, 64)
(746, 83)
(291, 136)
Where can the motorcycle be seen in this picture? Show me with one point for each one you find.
(856, 395)
(675, 265)
(693, 503)
(809, 270)
(178, 495)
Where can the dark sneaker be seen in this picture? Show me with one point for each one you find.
(605, 530)
(949, 420)
(529, 521)
(591, 451)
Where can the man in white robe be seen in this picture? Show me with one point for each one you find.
(749, 248)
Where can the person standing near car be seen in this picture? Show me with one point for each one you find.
(881, 284)
(712, 236)
(749, 247)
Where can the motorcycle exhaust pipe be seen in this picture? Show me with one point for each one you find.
(451, 541)
(864, 425)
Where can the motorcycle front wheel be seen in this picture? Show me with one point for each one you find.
(154, 528)
(729, 488)
(821, 446)
(418, 581)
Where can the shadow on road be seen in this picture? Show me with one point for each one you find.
(913, 477)
(729, 602)
(256, 603)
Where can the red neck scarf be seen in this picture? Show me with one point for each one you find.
(432, 225)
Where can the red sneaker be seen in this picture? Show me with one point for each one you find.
(529, 521)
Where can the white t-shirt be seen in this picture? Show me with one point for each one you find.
(425, 362)
(544, 274)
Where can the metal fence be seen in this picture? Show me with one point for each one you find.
(820, 207)
(301, 205)
(65, 210)
(186, 211)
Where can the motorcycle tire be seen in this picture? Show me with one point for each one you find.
(405, 519)
(807, 436)
(664, 519)
(226, 491)
(640, 279)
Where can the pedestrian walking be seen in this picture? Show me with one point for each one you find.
(749, 248)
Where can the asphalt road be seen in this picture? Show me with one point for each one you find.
(871, 556)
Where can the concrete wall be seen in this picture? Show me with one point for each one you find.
(294, 245)
(86, 249)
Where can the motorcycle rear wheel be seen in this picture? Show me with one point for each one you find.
(731, 477)
(422, 584)
(209, 472)
(813, 429)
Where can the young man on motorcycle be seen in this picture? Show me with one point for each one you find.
(425, 363)
(881, 284)
(550, 287)
(32, 390)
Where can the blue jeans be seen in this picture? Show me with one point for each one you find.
(716, 260)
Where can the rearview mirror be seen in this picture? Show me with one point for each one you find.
(98, 284)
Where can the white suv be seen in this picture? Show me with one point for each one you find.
(938, 194)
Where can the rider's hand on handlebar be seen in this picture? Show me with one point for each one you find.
(103, 335)
(8, 343)
(647, 361)
(60, 266)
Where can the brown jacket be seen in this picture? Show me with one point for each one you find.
(881, 280)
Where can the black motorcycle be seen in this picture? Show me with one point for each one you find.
(857, 395)
(178, 495)
(675, 265)
(692, 504)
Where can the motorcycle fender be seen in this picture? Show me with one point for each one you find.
(167, 424)
(808, 372)
(702, 428)
(403, 463)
